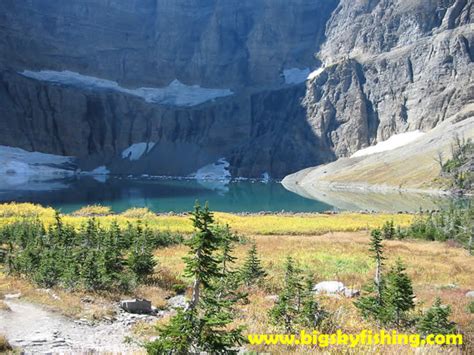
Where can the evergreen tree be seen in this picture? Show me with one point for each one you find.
(252, 271)
(311, 315)
(376, 248)
(205, 324)
(388, 230)
(436, 320)
(141, 260)
(287, 309)
(111, 262)
(398, 294)
(226, 286)
(202, 264)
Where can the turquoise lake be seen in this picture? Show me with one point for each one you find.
(168, 195)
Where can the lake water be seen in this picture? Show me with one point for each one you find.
(166, 195)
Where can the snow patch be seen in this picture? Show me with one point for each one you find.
(137, 150)
(295, 75)
(218, 171)
(175, 94)
(395, 141)
(101, 170)
(16, 161)
(313, 75)
(266, 178)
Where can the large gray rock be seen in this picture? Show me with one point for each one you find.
(470, 294)
(139, 306)
(179, 301)
(329, 287)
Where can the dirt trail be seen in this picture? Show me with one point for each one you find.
(36, 330)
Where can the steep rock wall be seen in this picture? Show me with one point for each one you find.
(391, 66)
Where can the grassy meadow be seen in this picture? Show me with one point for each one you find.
(253, 224)
(329, 246)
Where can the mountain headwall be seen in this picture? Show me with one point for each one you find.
(381, 67)
(215, 43)
(391, 66)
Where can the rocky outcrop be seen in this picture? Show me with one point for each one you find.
(391, 66)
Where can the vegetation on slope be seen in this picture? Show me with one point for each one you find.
(460, 168)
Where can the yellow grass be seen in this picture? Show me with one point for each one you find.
(298, 224)
(433, 267)
(93, 211)
(143, 213)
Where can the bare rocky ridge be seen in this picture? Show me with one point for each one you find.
(388, 66)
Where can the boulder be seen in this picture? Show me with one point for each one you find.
(139, 306)
(329, 287)
(470, 294)
(178, 302)
(351, 293)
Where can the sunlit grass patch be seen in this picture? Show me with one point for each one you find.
(93, 211)
(138, 213)
(298, 224)
(301, 224)
(17, 210)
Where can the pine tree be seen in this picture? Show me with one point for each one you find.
(205, 324)
(398, 294)
(371, 304)
(388, 230)
(287, 309)
(311, 315)
(111, 262)
(376, 248)
(202, 264)
(252, 271)
(227, 284)
(436, 320)
(141, 260)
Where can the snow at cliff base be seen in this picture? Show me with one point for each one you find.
(216, 171)
(16, 161)
(137, 150)
(395, 141)
(175, 94)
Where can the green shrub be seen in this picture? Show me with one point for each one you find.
(436, 320)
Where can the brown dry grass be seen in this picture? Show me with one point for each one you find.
(433, 267)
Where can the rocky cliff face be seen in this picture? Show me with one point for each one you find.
(387, 66)
(391, 66)
(217, 43)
